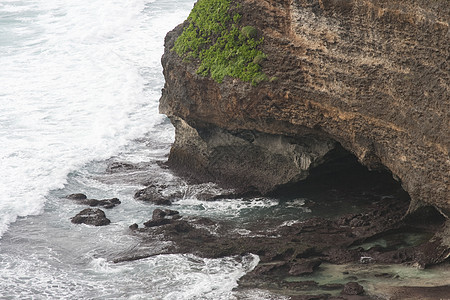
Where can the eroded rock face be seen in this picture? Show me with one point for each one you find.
(372, 75)
(246, 159)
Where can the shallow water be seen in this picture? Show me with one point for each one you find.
(374, 277)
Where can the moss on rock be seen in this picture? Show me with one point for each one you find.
(214, 39)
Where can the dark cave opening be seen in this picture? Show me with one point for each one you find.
(343, 185)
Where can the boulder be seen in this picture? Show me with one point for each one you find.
(352, 288)
(106, 203)
(154, 194)
(82, 199)
(77, 196)
(90, 216)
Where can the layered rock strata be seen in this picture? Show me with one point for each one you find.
(370, 75)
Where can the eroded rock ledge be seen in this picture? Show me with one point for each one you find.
(370, 75)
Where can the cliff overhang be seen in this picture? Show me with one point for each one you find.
(369, 76)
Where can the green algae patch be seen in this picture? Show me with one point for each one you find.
(222, 48)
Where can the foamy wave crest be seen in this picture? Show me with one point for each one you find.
(209, 278)
(79, 79)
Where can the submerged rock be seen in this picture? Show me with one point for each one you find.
(82, 199)
(116, 167)
(332, 286)
(89, 216)
(353, 288)
(159, 214)
(441, 292)
(156, 195)
(106, 203)
(293, 250)
(77, 196)
(159, 222)
(162, 217)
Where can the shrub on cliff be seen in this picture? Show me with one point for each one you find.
(213, 38)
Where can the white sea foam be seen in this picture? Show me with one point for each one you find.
(78, 80)
(162, 277)
(224, 207)
(209, 278)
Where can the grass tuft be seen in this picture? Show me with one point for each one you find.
(214, 39)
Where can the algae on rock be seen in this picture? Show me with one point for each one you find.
(214, 38)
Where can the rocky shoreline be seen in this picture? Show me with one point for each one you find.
(348, 83)
(297, 249)
(350, 86)
(369, 76)
(292, 253)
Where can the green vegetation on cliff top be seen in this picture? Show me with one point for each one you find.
(214, 38)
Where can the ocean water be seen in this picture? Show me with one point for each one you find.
(78, 80)
(79, 88)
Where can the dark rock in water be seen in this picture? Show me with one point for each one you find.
(331, 286)
(352, 288)
(352, 277)
(150, 193)
(159, 222)
(77, 196)
(91, 216)
(206, 196)
(183, 227)
(158, 214)
(162, 202)
(154, 194)
(205, 221)
(270, 269)
(418, 292)
(106, 203)
(162, 217)
(82, 199)
(120, 167)
(170, 212)
(228, 195)
(303, 285)
(304, 266)
(133, 226)
(384, 275)
(295, 249)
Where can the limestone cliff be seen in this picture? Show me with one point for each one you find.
(371, 76)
